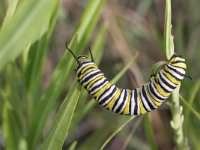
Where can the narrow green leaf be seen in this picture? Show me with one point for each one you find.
(12, 4)
(168, 38)
(149, 132)
(59, 130)
(189, 109)
(121, 73)
(117, 131)
(14, 37)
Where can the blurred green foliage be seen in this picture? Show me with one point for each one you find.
(41, 104)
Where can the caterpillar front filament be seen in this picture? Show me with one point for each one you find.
(130, 101)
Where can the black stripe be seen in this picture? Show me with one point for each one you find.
(130, 108)
(104, 92)
(140, 94)
(97, 86)
(153, 92)
(117, 101)
(147, 99)
(80, 73)
(122, 104)
(179, 73)
(90, 76)
(165, 82)
(86, 86)
(177, 79)
(159, 83)
(136, 102)
(178, 61)
(148, 90)
(107, 97)
(179, 67)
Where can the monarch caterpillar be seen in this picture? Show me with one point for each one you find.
(126, 101)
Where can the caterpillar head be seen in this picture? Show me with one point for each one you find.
(82, 59)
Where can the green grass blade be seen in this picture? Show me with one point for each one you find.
(59, 130)
(116, 132)
(12, 110)
(121, 73)
(149, 132)
(34, 67)
(12, 4)
(30, 21)
(168, 38)
(190, 109)
(193, 94)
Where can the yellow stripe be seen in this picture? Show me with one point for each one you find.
(172, 79)
(88, 71)
(93, 81)
(86, 67)
(126, 110)
(142, 109)
(101, 90)
(153, 100)
(112, 101)
(183, 65)
(160, 90)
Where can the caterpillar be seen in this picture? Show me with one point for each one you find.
(130, 101)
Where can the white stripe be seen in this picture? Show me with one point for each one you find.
(94, 91)
(90, 73)
(154, 97)
(144, 101)
(110, 98)
(167, 80)
(86, 64)
(175, 74)
(163, 84)
(124, 105)
(97, 83)
(156, 91)
(107, 93)
(119, 101)
(85, 83)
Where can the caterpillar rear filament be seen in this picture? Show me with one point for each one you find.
(130, 101)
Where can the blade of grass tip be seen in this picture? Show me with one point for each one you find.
(12, 4)
(73, 146)
(190, 108)
(59, 130)
(116, 132)
(168, 38)
(121, 73)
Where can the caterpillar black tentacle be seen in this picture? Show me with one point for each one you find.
(126, 101)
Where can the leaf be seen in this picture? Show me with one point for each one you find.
(30, 21)
(59, 131)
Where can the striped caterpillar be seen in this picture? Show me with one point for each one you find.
(130, 101)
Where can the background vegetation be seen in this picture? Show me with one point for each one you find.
(41, 104)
